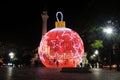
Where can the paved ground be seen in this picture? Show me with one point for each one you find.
(42, 73)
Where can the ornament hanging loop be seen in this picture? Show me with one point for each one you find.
(59, 23)
(61, 16)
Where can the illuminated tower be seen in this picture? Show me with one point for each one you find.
(45, 17)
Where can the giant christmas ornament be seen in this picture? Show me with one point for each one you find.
(61, 46)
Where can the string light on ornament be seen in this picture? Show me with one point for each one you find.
(61, 46)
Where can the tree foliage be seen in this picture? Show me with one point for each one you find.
(97, 44)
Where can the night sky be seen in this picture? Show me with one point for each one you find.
(20, 21)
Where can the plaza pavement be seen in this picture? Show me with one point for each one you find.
(42, 73)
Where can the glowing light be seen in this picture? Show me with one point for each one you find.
(61, 47)
(108, 30)
(96, 52)
(11, 54)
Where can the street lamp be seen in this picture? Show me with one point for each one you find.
(95, 57)
(109, 31)
(11, 55)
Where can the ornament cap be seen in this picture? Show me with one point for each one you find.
(59, 23)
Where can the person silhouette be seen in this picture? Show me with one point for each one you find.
(57, 63)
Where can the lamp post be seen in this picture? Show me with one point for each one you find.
(96, 53)
(109, 31)
(11, 55)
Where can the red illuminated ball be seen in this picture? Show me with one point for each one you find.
(61, 47)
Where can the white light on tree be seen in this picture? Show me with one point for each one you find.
(96, 52)
(94, 55)
(11, 54)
